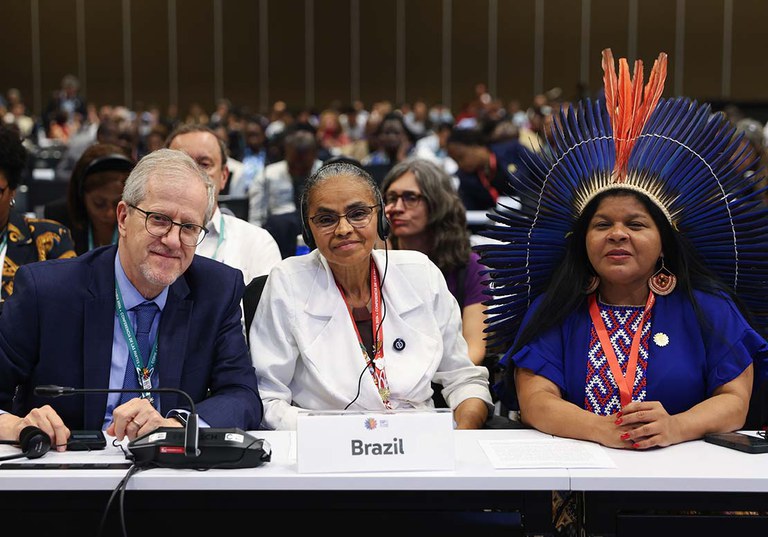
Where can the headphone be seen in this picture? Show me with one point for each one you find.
(382, 224)
(33, 441)
(112, 162)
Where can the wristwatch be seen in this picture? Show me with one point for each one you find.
(181, 417)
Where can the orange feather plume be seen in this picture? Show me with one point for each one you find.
(629, 107)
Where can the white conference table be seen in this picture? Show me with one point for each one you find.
(694, 475)
(187, 500)
(691, 466)
(473, 471)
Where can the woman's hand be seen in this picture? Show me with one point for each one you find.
(471, 414)
(648, 424)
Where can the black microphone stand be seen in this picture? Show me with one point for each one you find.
(191, 430)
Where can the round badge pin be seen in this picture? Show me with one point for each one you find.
(661, 339)
(398, 345)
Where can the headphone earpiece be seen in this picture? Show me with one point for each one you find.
(34, 442)
(382, 225)
(306, 233)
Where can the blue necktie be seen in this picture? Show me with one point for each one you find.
(145, 314)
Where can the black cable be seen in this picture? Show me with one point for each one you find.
(378, 328)
(120, 488)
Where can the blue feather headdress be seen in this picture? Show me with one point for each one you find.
(677, 152)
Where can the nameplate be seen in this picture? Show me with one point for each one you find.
(375, 442)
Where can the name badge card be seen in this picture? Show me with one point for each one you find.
(334, 441)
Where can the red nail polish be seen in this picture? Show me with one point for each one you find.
(635, 445)
(618, 414)
(625, 436)
(618, 421)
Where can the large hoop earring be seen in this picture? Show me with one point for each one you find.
(663, 281)
(592, 284)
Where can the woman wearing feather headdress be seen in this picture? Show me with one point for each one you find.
(631, 295)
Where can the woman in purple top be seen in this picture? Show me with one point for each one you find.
(426, 214)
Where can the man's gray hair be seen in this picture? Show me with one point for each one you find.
(166, 163)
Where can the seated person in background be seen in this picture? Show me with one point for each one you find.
(274, 194)
(72, 322)
(434, 147)
(395, 142)
(426, 214)
(95, 189)
(23, 240)
(485, 167)
(254, 155)
(320, 337)
(229, 239)
(637, 335)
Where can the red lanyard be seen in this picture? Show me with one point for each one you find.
(625, 384)
(375, 366)
(486, 181)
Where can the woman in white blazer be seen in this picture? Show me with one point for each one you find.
(350, 327)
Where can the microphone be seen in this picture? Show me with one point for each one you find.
(191, 430)
(192, 447)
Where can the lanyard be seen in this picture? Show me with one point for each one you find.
(486, 181)
(221, 237)
(143, 373)
(90, 237)
(3, 247)
(4, 244)
(625, 387)
(375, 366)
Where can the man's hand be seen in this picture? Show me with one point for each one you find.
(44, 418)
(135, 418)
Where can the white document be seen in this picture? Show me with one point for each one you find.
(546, 453)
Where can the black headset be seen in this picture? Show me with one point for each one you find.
(382, 224)
(107, 163)
(34, 443)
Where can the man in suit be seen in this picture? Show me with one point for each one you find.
(73, 323)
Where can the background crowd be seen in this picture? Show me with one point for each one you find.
(477, 144)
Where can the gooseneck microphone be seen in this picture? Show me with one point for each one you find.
(191, 430)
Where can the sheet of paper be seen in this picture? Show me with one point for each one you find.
(546, 453)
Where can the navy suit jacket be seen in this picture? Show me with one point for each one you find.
(57, 328)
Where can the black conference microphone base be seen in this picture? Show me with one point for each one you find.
(187, 447)
(218, 448)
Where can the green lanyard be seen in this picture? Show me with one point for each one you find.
(221, 237)
(143, 373)
(90, 237)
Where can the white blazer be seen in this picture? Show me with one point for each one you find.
(306, 352)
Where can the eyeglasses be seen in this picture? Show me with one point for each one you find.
(410, 199)
(357, 218)
(159, 225)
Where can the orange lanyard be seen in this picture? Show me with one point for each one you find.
(624, 384)
(375, 366)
